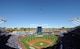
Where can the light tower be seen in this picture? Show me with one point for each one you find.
(76, 21)
(2, 20)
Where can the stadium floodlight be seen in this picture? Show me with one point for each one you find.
(2, 20)
(75, 21)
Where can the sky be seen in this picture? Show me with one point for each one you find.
(54, 13)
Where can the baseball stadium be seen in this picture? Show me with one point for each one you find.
(39, 24)
(38, 40)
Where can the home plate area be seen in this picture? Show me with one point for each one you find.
(40, 43)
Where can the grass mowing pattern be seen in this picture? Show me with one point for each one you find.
(30, 38)
(51, 37)
(23, 40)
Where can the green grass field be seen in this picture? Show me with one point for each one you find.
(41, 44)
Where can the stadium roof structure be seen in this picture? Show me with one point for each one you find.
(2, 20)
(76, 21)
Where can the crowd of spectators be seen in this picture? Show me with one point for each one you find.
(70, 40)
(8, 41)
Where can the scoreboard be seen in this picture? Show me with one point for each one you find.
(39, 30)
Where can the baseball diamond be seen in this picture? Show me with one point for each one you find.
(39, 42)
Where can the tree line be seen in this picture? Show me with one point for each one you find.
(33, 29)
